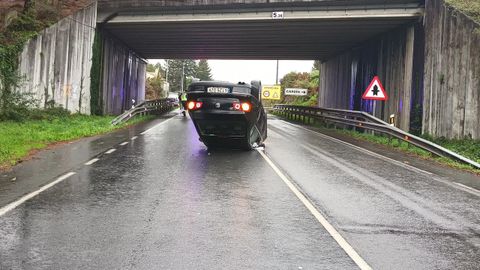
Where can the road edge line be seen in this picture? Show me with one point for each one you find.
(157, 125)
(476, 191)
(359, 261)
(435, 177)
(374, 154)
(9, 207)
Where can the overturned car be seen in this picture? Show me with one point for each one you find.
(227, 114)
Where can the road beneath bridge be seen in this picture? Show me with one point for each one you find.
(160, 200)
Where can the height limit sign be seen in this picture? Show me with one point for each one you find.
(375, 91)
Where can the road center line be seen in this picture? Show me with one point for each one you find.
(124, 143)
(359, 261)
(111, 151)
(90, 162)
(27, 197)
(134, 138)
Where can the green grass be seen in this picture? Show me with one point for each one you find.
(469, 7)
(380, 139)
(18, 139)
(467, 148)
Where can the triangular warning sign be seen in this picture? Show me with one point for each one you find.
(375, 90)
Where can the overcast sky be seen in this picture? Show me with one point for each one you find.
(248, 70)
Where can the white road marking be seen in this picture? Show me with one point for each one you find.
(455, 185)
(111, 151)
(134, 138)
(124, 143)
(90, 162)
(399, 163)
(27, 197)
(474, 190)
(359, 261)
(160, 124)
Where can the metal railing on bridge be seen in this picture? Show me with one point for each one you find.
(158, 106)
(362, 120)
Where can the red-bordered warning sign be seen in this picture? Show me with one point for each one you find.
(375, 90)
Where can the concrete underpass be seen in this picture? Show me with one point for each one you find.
(154, 197)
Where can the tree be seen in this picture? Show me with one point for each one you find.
(303, 80)
(316, 64)
(315, 78)
(153, 68)
(150, 68)
(295, 80)
(175, 73)
(204, 72)
(154, 87)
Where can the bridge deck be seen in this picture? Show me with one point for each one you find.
(309, 30)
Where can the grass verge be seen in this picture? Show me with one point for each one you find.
(19, 139)
(466, 148)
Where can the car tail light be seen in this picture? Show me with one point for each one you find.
(244, 106)
(194, 105)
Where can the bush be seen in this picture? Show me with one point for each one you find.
(20, 107)
(13, 105)
(17, 106)
(49, 113)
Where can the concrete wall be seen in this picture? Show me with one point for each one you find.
(56, 64)
(431, 72)
(345, 77)
(452, 73)
(123, 76)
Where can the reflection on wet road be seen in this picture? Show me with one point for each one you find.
(162, 201)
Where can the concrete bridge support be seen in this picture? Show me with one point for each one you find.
(452, 73)
(57, 68)
(430, 70)
(344, 78)
(56, 64)
(122, 76)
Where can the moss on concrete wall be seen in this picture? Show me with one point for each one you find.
(471, 8)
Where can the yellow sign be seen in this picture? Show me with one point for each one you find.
(271, 92)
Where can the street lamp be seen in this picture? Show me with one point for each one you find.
(276, 80)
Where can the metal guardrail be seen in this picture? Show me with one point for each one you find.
(363, 120)
(148, 106)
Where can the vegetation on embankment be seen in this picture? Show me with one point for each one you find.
(19, 139)
(470, 7)
(12, 39)
(303, 80)
(468, 148)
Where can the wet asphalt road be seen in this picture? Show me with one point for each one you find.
(163, 202)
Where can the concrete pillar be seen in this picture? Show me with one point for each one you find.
(407, 79)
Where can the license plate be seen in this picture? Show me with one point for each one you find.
(222, 90)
